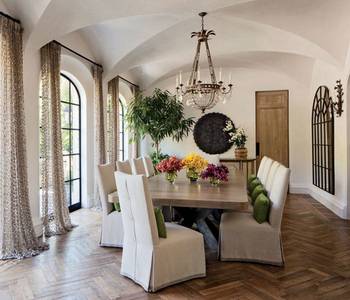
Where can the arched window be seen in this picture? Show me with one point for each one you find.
(323, 141)
(122, 136)
(71, 141)
(123, 153)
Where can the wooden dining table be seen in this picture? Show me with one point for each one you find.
(201, 194)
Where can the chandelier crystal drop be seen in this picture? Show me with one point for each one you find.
(196, 93)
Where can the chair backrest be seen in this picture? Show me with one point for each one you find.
(278, 195)
(137, 210)
(261, 166)
(266, 170)
(124, 166)
(271, 176)
(106, 185)
(148, 166)
(139, 166)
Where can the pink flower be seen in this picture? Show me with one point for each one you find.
(168, 165)
(213, 171)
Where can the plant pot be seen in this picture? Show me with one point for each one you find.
(214, 181)
(241, 153)
(192, 175)
(171, 176)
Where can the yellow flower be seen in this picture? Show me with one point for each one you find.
(195, 162)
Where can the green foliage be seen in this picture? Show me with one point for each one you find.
(160, 116)
(158, 158)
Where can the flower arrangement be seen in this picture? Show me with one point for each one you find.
(194, 163)
(238, 137)
(215, 173)
(170, 166)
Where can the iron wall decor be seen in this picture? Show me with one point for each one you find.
(322, 126)
(338, 106)
(209, 135)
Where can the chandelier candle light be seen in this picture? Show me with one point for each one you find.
(199, 94)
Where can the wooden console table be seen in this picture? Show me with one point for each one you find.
(249, 162)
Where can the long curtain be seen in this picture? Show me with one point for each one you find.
(17, 236)
(55, 212)
(100, 147)
(113, 120)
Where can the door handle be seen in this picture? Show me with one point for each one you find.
(257, 149)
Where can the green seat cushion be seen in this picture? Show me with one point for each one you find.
(251, 177)
(254, 183)
(160, 222)
(257, 191)
(261, 208)
(116, 206)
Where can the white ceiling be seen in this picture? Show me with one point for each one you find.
(149, 39)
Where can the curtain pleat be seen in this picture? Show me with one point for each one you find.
(17, 236)
(55, 212)
(113, 117)
(100, 146)
(135, 144)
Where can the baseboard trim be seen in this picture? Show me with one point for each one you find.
(332, 204)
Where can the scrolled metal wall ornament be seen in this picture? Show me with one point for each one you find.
(338, 106)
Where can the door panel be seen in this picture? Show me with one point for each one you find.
(272, 132)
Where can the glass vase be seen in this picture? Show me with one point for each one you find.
(171, 176)
(214, 181)
(192, 175)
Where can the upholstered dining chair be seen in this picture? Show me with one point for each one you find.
(124, 166)
(139, 166)
(271, 176)
(112, 226)
(244, 239)
(262, 175)
(148, 166)
(150, 261)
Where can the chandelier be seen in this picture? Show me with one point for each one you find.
(196, 93)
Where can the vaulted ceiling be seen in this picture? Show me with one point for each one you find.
(149, 39)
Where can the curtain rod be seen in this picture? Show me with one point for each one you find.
(9, 17)
(122, 78)
(78, 54)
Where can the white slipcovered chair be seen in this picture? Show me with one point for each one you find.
(139, 167)
(112, 226)
(271, 176)
(148, 166)
(124, 166)
(262, 175)
(151, 261)
(244, 239)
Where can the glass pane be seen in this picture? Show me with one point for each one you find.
(74, 94)
(75, 141)
(65, 121)
(64, 89)
(67, 192)
(75, 116)
(121, 155)
(75, 191)
(66, 147)
(66, 168)
(75, 166)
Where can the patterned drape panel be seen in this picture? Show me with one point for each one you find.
(55, 212)
(17, 236)
(100, 147)
(113, 120)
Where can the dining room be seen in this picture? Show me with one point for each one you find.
(174, 149)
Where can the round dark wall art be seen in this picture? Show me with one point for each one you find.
(209, 135)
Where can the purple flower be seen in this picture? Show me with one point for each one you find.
(213, 171)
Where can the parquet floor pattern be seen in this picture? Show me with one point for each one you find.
(316, 245)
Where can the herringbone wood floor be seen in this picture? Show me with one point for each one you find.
(316, 244)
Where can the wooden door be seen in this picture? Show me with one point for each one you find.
(272, 130)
